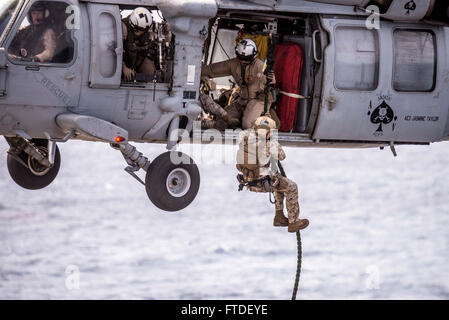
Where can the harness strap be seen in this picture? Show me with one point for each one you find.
(269, 198)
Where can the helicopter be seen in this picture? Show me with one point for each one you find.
(374, 74)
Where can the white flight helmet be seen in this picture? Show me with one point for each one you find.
(246, 50)
(141, 19)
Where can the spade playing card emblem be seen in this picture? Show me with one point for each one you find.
(382, 115)
(410, 6)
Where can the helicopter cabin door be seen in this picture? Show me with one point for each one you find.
(106, 46)
(382, 85)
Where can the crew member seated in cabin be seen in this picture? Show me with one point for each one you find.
(248, 73)
(37, 41)
(220, 119)
(143, 44)
(257, 159)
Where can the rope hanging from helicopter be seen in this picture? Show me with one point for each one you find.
(269, 69)
(298, 244)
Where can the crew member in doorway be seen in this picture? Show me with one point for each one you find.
(248, 73)
(141, 43)
(37, 41)
(257, 161)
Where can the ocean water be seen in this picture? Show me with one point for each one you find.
(378, 230)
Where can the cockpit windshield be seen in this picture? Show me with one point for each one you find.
(7, 8)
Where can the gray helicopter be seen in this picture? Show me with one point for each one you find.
(374, 74)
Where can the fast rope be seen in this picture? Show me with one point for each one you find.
(298, 265)
(299, 245)
(242, 184)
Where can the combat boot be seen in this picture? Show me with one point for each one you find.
(298, 225)
(279, 219)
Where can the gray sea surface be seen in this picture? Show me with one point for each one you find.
(378, 230)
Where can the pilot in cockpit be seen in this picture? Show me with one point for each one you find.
(37, 41)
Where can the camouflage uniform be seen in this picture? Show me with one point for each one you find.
(212, 107)
(253, 160)
(287, 189)
(251, 80)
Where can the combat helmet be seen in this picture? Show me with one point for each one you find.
(264, 123)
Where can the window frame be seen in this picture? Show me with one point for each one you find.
(9, 26)
(18, 22)
(215, 42)
(147, 85)
(435, 70)
(378, 52)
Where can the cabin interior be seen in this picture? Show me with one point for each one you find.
(230, 27)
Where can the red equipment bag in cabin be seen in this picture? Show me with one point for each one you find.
(288, 61)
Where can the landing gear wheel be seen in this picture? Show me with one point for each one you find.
(36, 176)
(170, 186)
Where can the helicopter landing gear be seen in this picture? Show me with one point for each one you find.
(172, 180)
(170, 186)
(30, 163)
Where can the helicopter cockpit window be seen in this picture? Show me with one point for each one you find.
(356, 59)
(107, 40)
(7, 8)
(414, 60)
(45, 34)
(147, 46)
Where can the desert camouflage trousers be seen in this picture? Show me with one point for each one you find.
(283, 188)
(210, 106)
(241, 109)
(213, 108)
(287, 189)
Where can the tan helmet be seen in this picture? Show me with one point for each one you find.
(264, 122)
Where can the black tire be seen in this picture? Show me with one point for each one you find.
(27, 179)
(157, 182)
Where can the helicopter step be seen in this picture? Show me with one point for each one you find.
(288, 139)
(232, 137)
